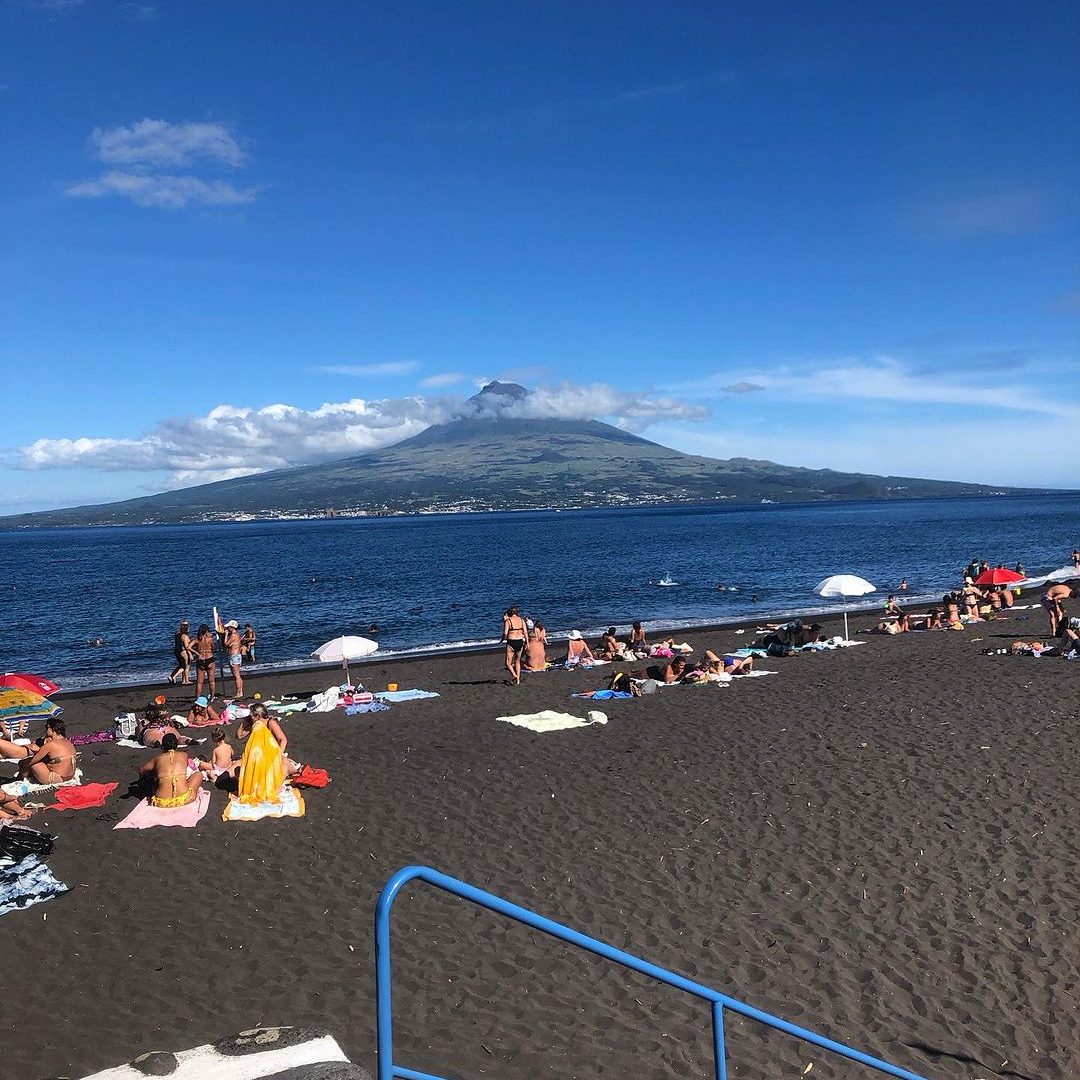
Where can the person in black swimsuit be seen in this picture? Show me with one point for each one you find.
(182, 652)
(516, 636)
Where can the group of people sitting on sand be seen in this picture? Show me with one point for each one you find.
(258, 775)
(526, 644)
(47, 762)
(171, 778)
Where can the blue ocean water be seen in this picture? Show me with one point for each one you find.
(446, 579)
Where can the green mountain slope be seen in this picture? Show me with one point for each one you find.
(489, 460)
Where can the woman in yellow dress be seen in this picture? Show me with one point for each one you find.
(262, 768)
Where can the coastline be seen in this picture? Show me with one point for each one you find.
(866, 842)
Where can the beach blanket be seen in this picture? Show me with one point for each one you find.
(366, 707)
(310, 777)
(19, 788)
(131, 744)
(231, 713)
(146, 816)
(251, 1055)
(604, 695)
(82, 796)
(26, 882)
(93, 737)
(748, 651)
(550, 720)
(755, 674)
(288, 707)
(405, 695)
(291, 805)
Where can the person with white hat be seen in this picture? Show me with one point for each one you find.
(577, 649)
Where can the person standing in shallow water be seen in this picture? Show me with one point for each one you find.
(182, 652)
(234, 651)
(204, 661)
(515, 635)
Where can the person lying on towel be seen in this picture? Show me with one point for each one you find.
(168, 772)
(50, 760)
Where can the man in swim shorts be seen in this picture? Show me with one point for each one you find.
(235, 652)
(1053, 602)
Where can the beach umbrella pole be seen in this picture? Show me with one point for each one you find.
(846, 638)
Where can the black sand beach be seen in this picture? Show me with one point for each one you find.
(878, 843)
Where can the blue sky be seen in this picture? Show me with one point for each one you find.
(246, 234)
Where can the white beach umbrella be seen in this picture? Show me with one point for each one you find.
(844, 585)
(345, 648)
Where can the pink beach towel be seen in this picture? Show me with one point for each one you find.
(145, 816)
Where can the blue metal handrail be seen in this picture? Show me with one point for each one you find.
(389, 1070)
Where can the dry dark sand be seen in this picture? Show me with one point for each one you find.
(879, 843)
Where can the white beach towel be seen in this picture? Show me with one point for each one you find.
(253, 1054)
(327, 701)
(755, 674)
(25, 787)
(291, 805)
(550, 720)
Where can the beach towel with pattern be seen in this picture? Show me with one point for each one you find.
(290, 804)
(27, 882)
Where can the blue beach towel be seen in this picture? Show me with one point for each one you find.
(605, 695)
(405, 695)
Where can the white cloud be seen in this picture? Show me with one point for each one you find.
(991, 211)
(144, 149)
(160, 144)
(163, 192)
(233, 440)
(887, 379)
(387, 367)
(447, 378)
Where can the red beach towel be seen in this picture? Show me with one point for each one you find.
(81, 796)
(309, 777)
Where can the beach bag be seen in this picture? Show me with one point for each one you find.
(622, 683)
(778, 648)
(17, 841)
(649, 686)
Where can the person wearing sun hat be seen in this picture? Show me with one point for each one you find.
(202, 713)
(577, 649)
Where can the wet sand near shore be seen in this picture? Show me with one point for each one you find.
(879, 843)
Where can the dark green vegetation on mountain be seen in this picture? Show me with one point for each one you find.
(492, 459)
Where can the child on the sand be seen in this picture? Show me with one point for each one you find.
(222, 762)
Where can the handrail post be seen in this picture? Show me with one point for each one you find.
(719, 1042)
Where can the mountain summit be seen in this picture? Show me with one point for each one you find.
(494, 456)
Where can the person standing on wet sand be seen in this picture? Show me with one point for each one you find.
(247, 643)
(234, 651)
(516, 636)
(183, 652)
(204, 648)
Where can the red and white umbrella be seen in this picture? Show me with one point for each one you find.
(35, 684)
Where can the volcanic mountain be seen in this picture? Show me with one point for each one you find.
(494, 456)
